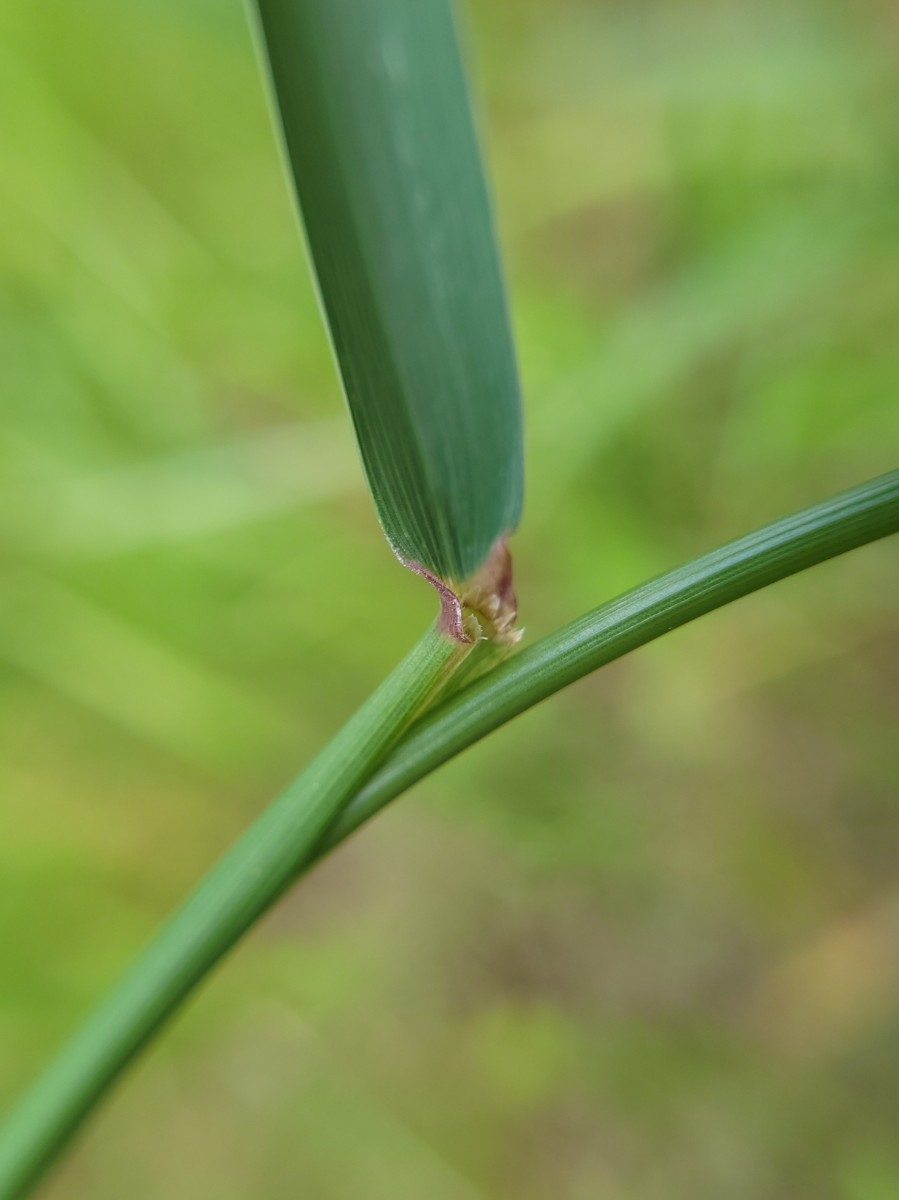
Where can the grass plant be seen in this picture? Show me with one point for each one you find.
(377, 129)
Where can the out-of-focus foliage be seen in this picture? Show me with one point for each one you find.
(642, 944)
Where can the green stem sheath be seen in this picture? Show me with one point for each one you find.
(250, 877)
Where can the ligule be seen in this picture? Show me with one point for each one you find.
(482, 608)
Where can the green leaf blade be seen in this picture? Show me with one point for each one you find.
(380, 139)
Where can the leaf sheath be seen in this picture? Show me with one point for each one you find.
(238, 890)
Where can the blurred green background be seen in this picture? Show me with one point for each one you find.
(644, 943)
